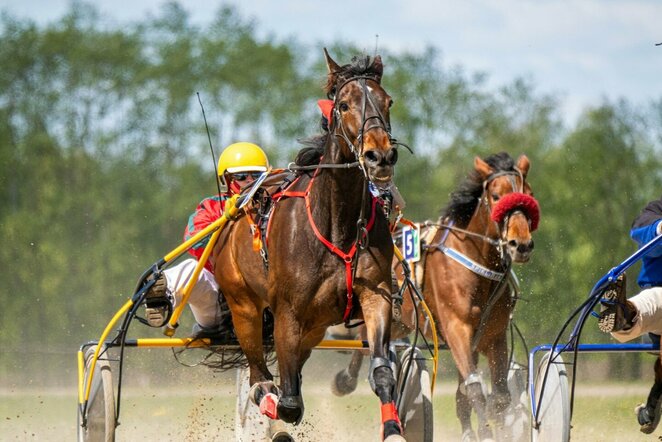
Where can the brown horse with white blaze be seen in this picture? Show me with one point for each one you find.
(329, 249)
(485, 228)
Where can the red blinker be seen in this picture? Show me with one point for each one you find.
(326, 106)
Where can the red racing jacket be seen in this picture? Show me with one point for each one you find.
(209, 210)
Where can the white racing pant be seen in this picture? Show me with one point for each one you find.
(649, 315)
(204, 299)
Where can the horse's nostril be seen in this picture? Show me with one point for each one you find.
(392, 157)
(372, 156)
(525, 247)
(512, 243)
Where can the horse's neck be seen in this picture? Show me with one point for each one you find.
(336, 198)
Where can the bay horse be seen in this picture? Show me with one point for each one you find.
(485, 227)
(329, 250)
(466, 264)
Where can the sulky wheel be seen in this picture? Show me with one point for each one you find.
(554, 411)
(415, 405)
(100, 412)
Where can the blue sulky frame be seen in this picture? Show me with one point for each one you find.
(584, 311)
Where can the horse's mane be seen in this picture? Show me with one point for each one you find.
(312, 151)
(464, 198)
(362, 66)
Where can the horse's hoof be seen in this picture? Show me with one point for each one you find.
(290, 409)
(282, 436)
(260, 389)
(343, 384)
(395, 438)
(468, 436)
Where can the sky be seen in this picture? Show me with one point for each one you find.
(581, 51)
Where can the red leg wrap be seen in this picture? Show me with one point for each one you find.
(390, 413)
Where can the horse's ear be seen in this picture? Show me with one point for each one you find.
(523, 164)
(331, 65)
(378, 67)
(482, 168)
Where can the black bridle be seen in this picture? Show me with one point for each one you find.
(378, 120)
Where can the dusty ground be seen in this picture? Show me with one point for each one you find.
(196, 405)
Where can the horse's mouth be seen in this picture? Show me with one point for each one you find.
(381, 177)
(520, 258)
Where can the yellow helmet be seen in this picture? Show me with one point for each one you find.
(242, 157)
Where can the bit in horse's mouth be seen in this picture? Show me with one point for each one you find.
(383, 183)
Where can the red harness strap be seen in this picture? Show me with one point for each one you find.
(346, 257)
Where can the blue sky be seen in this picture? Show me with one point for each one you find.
(580, 51)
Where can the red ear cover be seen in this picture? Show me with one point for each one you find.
(516, 200)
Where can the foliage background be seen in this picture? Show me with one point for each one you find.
(103, 155)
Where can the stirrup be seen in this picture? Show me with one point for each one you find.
(158, 308)
(613, 307)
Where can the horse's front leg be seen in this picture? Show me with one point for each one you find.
(293, 348)
(497, 355)
(463, 411)
(459, 335)
(377, 314)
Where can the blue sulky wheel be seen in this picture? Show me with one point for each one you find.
(554, 411)
(415, 404)
(100, 413)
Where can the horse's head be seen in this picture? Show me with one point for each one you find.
(360, 118)
(512, 206)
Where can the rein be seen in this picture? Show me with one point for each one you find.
(292, 167)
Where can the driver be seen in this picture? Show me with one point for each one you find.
(627, 319)
(238, 166)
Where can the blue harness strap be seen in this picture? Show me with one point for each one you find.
(470, 264)
(465, 260)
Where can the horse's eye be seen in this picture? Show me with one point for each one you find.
(343, 107)
(495, 197)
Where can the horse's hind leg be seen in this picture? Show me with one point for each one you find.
(345, 380)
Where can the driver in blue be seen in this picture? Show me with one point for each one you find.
(627, 319)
